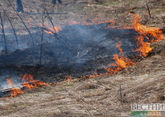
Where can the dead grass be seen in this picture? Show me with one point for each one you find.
(143, 83)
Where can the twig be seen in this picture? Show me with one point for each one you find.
(42, 36)
(46, 11)
(22, 22)
(15, 34)
(50, 20)
(148, 9)
(3, 32)
(65, 42)
(163, 18)
(9, 3)
(121, 96)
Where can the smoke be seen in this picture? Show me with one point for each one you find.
(75, 44)
(10, 73)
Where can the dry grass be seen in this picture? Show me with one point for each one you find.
(92, 97)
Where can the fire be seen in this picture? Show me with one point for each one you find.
(121, 62)
(14, 91)
(30, 83)
(69, 78)
(147, 32)
(155, 32)
(95, 74)
(53, 30)
(151, 34)
(58, 28)
(118, 46)
(144, 47)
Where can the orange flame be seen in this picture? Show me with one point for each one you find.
(69, 78)
(118, 46)
(147, 31)
(14, 91)
(95, 74)
(144, 31)
(144, 47)
(120, 62)
(30, 83)
(53, 30)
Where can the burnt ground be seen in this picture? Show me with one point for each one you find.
(102, 96)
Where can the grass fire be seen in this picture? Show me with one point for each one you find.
(81, 58)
